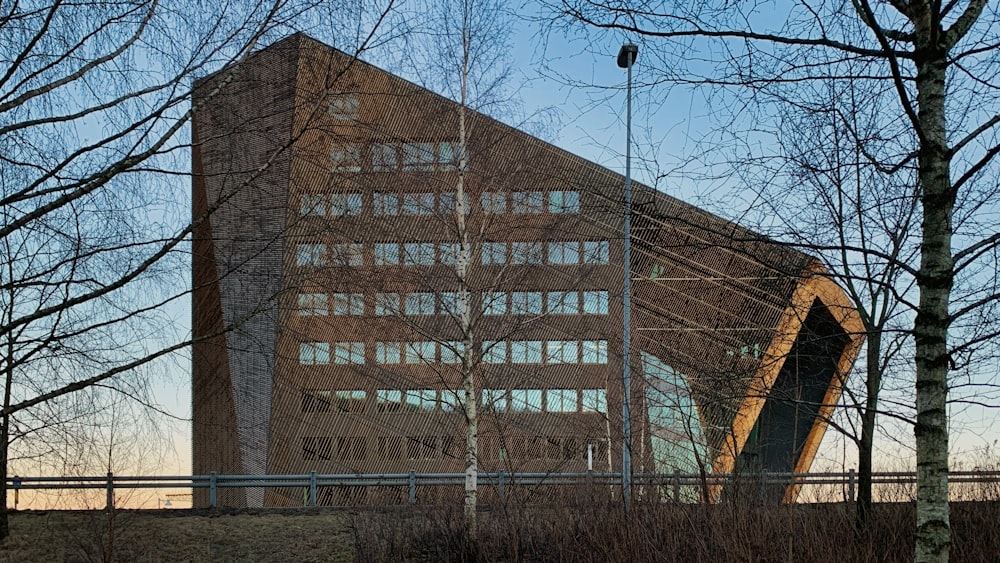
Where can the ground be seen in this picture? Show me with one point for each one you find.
(176, 536)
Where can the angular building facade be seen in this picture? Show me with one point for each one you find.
(332, 333)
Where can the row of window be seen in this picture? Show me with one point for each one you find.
(434, 400)
(430, 253)
(411, 157)
(428, 203)
(553, 252)
(435, 447)
(426, 352)
(449, 302)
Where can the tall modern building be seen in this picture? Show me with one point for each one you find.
(329, 277)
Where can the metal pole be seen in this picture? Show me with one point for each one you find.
(626, 58)
(109, 504)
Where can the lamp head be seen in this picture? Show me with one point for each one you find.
(627, 55)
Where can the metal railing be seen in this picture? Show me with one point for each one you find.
(500, 481)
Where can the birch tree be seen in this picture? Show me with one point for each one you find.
(465, 57)
(940, 62)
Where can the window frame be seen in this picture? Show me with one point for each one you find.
(347, 304)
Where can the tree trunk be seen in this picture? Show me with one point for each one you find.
(4, 450)
(935, 280)
(464, 257)
(873, 382)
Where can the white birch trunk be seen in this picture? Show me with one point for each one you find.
(935, 280)
(465, 315)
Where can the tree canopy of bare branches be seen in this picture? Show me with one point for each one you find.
(929, 70)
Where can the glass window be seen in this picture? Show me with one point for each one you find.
(494, 253)
(494, 352)
(595, 302)
(348, 304)
(313, 204)
(311, 304)
(526, 303)
(345, 204)
(387, 304)
(387, 352)
(494, 303)
(450, 303)
(452, 400)
(419, 353)
(418, 156)
(567, 252)
(595, 252)
(448, 253)
(418, 253)
(594, 400)
(563, 302)
(346, 254)
(560, 400)
(384, 157)
(418, 204)
(447, 156)
(310, 255)
(526, 352)
(447, 203)
(562, 352)
(595, 351)
(343, 106)
(386, 253)
(496, 399)
(526, 400)
(312, 353)
(451, 352)
(349, 352)
(345, 158)
(526, 202)
(385, 204)
(428, 400)
(493, 202)
(564, 202)
(389, 400)
(420, 304)
(350, 401)
(525, 253)
(411, 400)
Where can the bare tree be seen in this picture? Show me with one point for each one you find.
(828, 145)
(94, 232)
(909, 49)
(465, 58)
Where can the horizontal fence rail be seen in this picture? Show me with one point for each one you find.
(500, 481)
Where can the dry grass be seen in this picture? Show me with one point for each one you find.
(661, 532)
(180, 535)
(681, 533)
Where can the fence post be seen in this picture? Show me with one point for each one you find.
(413, 487)
(110, 503)
(213, 497)
(312, 489)
(677, 485)
(850, 485)
(503, 496)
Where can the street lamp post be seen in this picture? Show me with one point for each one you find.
(626, 58)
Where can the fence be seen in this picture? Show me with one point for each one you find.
(672, 483)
